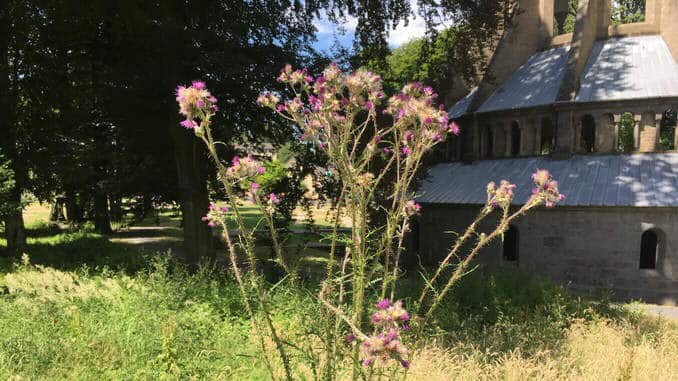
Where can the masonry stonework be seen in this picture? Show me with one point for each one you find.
(586, 249)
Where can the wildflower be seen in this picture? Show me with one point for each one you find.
(407, 150)
(369, 105)
(546, 189)
(350, 338)
(411, 208)
(189, 124)
(500, 196)
(268, 99)
(194, 102)
(214, 214)
(273, 198)
(384, 304)
(254, 187)
(261, 170)
(454, 128)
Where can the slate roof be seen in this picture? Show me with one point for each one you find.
(536, 83)
(629, 68)
(618, 69)
(461, 107)
(640, 180)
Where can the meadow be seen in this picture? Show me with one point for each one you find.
(80, 305)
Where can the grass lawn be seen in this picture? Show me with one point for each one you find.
(84, 307)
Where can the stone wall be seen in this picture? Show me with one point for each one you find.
(587, 249)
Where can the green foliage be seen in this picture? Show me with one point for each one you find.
(6, 187)
(286, 185)
(667, 130)
(626, 127)
(627, 11)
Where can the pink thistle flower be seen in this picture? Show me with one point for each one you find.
(407, 150)
(211, 224)
(224, 209)
(199, 85)
(384, 304)
(369, 105)
(350, 338)
(235, 161)
(368, 361)
(254, 187)
(189, 124)
(200, 103)
(387, 151)
(261, 170)
(273, 198)
(409, 135)
(454, 128)
(405, 364)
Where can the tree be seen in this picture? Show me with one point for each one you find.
(627, 11)
(11, 22)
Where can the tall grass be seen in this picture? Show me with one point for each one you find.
(163, 322)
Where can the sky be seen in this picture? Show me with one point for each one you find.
(327, 32)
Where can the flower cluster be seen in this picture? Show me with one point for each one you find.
(294, 77)
(500, 196)
(411, 208)
(390, 320)
(245, 170)
(215, 214)
(195, 102)
(546, 189)
(325, 108)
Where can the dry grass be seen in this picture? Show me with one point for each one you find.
(598, 350)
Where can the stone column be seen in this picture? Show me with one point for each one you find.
(636, 131)
(536, 149)
(617, 120)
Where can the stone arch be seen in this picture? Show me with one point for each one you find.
(626, 132)
(650, 244)
(515, 139)
(499, 140)
(546, 136)
(587, 134)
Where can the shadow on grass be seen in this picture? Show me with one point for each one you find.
(69, 250)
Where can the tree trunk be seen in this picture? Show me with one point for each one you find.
(116, 208)
(15, 232)
(73, 210)
(102, 220)
(190, 159)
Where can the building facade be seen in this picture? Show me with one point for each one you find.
(596, 107)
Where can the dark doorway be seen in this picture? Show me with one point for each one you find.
(511, 244)
(649, 244)
(588, 134)
(515, 139)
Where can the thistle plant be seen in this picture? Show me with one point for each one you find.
(343, 116)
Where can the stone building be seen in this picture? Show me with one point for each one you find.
(596, 107)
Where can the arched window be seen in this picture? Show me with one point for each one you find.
(626, 126)
(510, 249)
(667, 130)
(489, 142)
(564, 16)
(627, 12)
(515, 139)
(588, 134)
(649, 248)
(546, 141)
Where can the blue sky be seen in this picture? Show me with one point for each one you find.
(328, 32)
